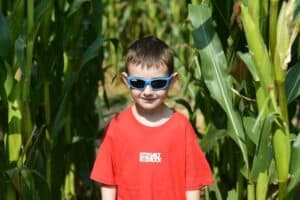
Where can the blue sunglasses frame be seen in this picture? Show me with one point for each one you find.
(149, 82)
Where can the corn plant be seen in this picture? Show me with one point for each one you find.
(259, 162)
(51, 58)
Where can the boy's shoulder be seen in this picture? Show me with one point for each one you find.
(115, 121)
(121, 117)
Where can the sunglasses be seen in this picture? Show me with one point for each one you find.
(139, 83)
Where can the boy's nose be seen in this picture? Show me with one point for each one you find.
(148, 90)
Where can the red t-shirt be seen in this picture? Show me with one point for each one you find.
(155, 163)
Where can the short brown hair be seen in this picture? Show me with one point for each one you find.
(150, 51)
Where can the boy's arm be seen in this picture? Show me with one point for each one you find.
(108, 192)
(192, 195)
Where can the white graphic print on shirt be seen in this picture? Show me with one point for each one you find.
(150, 157)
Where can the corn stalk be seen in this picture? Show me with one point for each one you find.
(267, 62)
(36, 93)
(285, 34)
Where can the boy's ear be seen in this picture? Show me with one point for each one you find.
(124, 78)
(174, 78)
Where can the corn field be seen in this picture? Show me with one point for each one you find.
(239, 71)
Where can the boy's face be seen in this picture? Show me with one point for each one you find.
(148, 98)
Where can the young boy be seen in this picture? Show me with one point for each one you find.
(150, 151)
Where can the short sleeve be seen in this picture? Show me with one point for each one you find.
(198, 172)
(103, 169)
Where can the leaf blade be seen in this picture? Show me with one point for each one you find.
(215, 71)
(292, 83)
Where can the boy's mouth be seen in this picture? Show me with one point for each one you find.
(148, 99)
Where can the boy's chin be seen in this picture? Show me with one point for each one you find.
(149, 107)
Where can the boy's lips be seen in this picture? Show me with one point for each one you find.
(148, 99)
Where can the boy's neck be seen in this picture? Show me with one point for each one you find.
(152, 118)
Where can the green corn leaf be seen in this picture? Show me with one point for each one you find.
(246, 58)
(93, 50)
(211, 138)
(264, 15)
(295, 163)
(16, 20)
(215, 188)
(263, 154)
(12, 175)
(232, 195)
(273, 178)
(249, 123)
(27, 184)
(215, 71)
(258, 51)
(59, 119)
(33, 185)
(76, 6)
(8, 80)
(5, 45)
(41, 12)
(286, 34)
(41, 185)
(254, 10)
(292, 83)
(274, 6)
(20, 45)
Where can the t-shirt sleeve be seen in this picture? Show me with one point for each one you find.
(198, 172)
(103, 169)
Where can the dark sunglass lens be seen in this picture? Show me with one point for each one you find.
(137, 83)
(158, 84)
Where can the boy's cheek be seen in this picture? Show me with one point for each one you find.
(135, 92)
